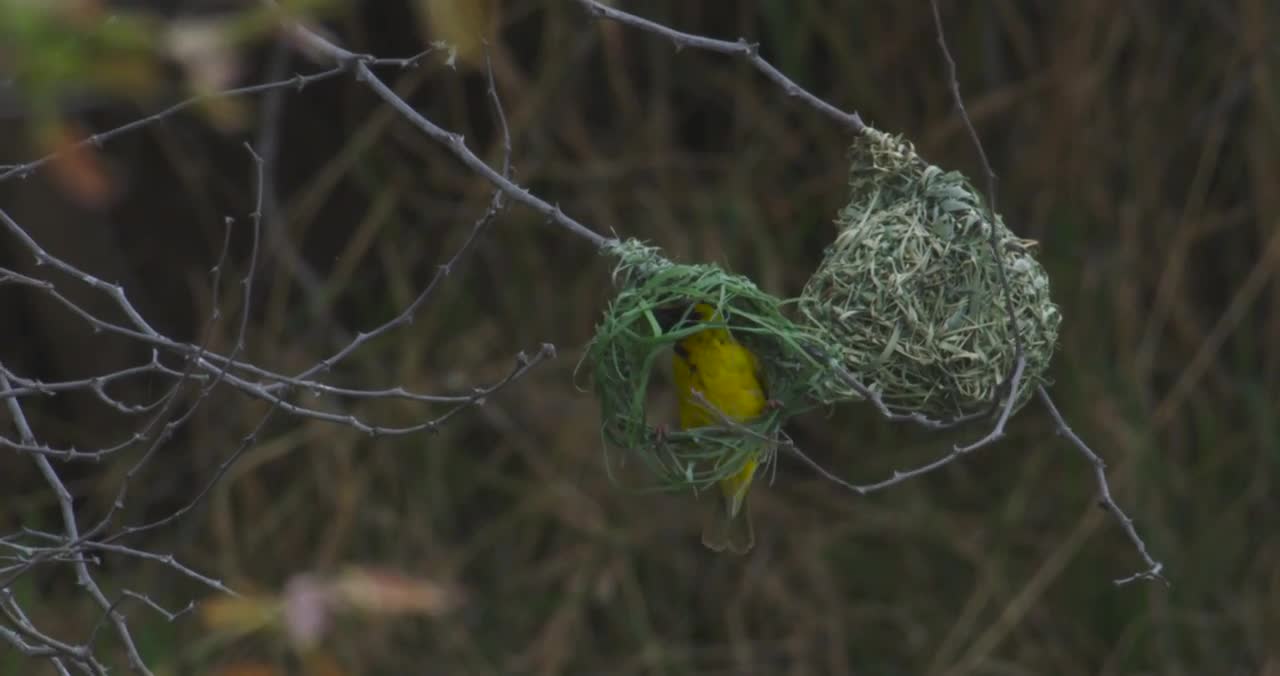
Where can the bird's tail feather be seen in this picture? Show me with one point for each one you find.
(728, 527)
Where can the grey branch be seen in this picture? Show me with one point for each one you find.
(740, 48)
(1153, 567)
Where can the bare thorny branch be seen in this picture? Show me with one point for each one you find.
(196, 365)
(1007, 394)
(201, 368)
(1154, 568)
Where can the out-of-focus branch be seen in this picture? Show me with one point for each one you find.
(197, 367)
(297, 82)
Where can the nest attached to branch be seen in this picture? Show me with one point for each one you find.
(629, 342)
(908, 300)
(909, 294)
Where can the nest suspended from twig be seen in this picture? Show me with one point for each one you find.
(909, 293)
(629, 341)
(907, 300)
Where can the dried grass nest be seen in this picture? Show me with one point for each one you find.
(907, 299)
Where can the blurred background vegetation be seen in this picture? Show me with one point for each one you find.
(1138, 142)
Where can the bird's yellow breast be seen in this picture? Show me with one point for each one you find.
(717, 376)
(726, 374)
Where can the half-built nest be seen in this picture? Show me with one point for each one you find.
(629, 342)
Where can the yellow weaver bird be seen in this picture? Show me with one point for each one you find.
(711, 368)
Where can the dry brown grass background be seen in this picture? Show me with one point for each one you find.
(1136, 141)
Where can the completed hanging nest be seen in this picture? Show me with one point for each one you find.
(909, 295)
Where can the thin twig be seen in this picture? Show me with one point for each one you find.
(81, 548)
(220, 366)
(454, 142)
(79, 655)
(1153, 567)
(167, 560)
(168, 428)
(297, 82)
(71, 529)
(170, 615)
(956, 452)
(953, 82)
(741, 48)
(871, 395)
